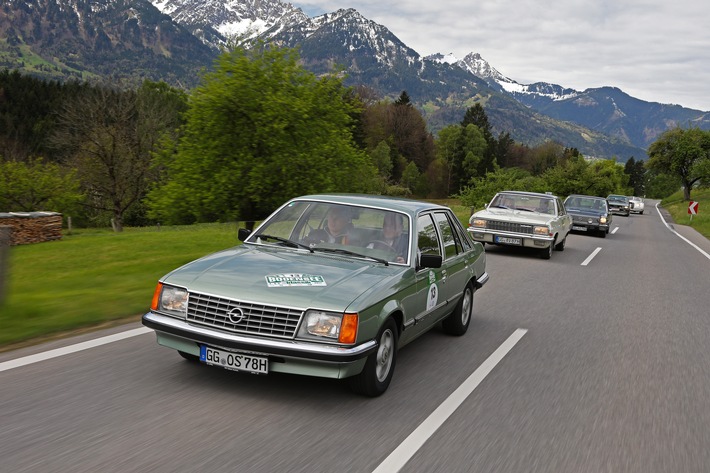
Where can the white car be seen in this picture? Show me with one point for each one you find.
(527, 219)
(638, 207)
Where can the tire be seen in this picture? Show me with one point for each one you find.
(189, 357)
(561, 245)
(457, 323)
(546, 253)
(379, 368)
(602, 234)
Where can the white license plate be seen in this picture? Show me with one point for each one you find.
(509, 241)
(234, 361)
(579, 229)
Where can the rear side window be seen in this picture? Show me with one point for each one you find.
(427, 238)
(460, 234)
(452, 246)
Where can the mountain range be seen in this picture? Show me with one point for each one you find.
(176, 40)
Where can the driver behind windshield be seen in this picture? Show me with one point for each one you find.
(337, 227)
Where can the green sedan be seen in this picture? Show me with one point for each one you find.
(328, 285)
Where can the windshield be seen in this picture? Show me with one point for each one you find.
(585, 204)
(360, 231)
(528, 203)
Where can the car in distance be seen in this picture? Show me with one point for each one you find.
(525, 219)
(638, 205)
(590, 214)
(328, 285)
(619, 204)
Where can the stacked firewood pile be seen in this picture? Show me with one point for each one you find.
(32, 227)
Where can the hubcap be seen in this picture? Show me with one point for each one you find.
(384, 355)
(466, 306)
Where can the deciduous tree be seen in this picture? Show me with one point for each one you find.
(35, 185)
(259, 130)
(684, 153)
(108, 136)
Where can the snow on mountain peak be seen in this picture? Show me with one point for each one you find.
(232, 17)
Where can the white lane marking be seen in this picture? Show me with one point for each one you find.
(406, 450)
(591, 257)
(614, 230)
(28, 360)
(681, 236)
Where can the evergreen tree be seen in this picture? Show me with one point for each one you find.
(403, 99)
(476, 115)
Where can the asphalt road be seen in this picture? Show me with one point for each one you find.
(609, 372)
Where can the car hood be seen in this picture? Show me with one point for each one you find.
(586, 213)
(285, 277)
(515, 216)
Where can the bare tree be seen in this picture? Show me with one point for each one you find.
(108, 137)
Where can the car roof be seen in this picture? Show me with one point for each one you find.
(529, 194)
(585, 196)
(400, 204)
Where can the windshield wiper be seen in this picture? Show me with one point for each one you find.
(342, 251)
(285, 241)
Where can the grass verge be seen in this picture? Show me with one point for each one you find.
(678, 208)
(93, 277)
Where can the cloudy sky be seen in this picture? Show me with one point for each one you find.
(654, 50)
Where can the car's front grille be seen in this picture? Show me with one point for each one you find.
(510, 227)
(582, 219)
(243, 317)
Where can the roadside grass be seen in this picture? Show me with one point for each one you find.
(92, 277)
(462, 212)
(678, 208)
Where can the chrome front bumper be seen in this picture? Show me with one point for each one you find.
(283, 348)
(528, 240)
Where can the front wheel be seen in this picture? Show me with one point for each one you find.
(561, 245)
(457, 323)
(376, 375)
(546, 253)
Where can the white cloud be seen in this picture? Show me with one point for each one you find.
(654, 50)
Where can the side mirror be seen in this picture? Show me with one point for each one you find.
(243, 234)
(430, 261)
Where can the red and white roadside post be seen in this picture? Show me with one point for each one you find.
(692, 209)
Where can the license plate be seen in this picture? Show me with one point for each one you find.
(509, 241)
(234, 361)
(579, 229)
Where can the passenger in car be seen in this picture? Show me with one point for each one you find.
(392, 237)
(544, 207)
